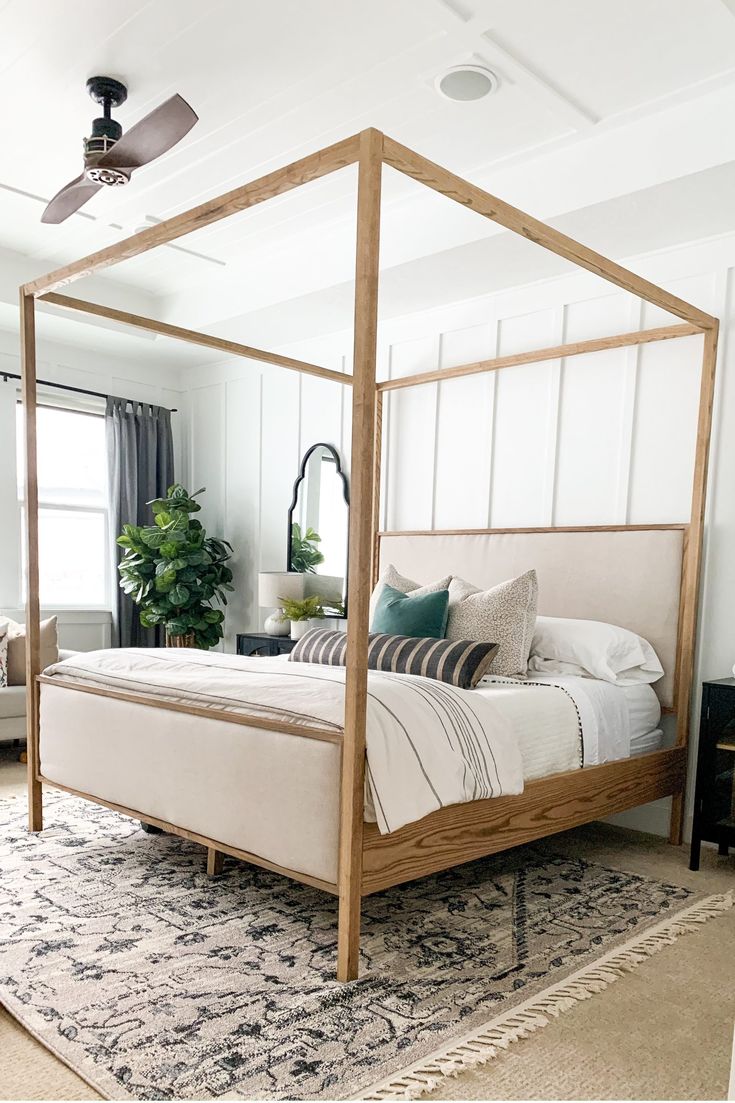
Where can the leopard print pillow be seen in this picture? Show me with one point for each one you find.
(505, 615)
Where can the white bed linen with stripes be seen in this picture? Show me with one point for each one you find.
(429, 744)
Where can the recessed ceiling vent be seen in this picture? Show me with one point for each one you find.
(463, 83)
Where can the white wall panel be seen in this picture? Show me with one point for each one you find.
(464, 432)
(521, 446)
(279, 466)
(698, 289)
(243, 458)
(665, 431)
(411, 416)
(321, 413)
(592, 411)
(207, 443)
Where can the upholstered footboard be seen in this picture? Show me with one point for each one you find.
(269, 796)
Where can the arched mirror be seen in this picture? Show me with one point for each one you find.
(318, 527)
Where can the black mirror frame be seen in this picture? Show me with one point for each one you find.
(294, 499)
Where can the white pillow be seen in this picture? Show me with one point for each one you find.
(391, 577)
(593, 649)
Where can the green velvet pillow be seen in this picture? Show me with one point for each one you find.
(398, 614)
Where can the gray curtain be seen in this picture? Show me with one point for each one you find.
(140, 466)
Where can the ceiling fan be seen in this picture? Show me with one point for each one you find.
(110, 157)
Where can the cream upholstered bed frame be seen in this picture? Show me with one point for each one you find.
(368, 861)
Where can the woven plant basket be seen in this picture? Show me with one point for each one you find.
(180, 641)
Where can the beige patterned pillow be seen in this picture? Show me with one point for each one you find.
(505, 615)
(391, 577)
(17, 649)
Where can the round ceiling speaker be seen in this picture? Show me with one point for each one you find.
(463, 83)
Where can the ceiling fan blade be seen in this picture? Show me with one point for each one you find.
(71, 197)
(155, 134)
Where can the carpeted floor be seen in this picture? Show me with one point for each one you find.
(663, 1031)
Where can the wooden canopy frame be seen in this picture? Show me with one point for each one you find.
(369, 862)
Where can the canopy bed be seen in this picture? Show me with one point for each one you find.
(650, 582)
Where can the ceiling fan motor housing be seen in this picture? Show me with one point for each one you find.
(111, 178)
(106, 131)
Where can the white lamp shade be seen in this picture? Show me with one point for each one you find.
(328, 586)
(275, 585)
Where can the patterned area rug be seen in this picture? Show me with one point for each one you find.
(152, 982)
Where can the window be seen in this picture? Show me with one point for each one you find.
(74, 560)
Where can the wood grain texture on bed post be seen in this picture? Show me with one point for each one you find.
(693, 566)
(538, 356)
(33, 613)
(490, 206)
(377, 462)
(352, 793)
(215, 861)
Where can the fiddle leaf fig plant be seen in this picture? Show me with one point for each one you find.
(174, 572)
(305, 555)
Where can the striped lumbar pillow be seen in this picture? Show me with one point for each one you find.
(460, 662)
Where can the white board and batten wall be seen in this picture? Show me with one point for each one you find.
(605, 438)
(83, 629)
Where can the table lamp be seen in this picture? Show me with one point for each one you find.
(273, 586)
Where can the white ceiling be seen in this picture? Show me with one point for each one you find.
(598, 99)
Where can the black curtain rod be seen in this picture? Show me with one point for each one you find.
(6, 375)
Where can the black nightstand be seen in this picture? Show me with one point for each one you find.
(714, 800)
(260, 643)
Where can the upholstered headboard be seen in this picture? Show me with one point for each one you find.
(629, 576)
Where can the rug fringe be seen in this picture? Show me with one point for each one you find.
(484, 1043)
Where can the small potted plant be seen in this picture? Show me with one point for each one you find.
(301, 612)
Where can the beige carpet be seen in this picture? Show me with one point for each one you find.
(661, 1032)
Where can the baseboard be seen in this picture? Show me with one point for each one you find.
(652, 818)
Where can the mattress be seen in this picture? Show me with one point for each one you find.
(647, 742)
(644, 712)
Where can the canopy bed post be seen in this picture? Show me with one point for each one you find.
(361, 545)
(33, 613)
(693, 565)
(377, 463)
